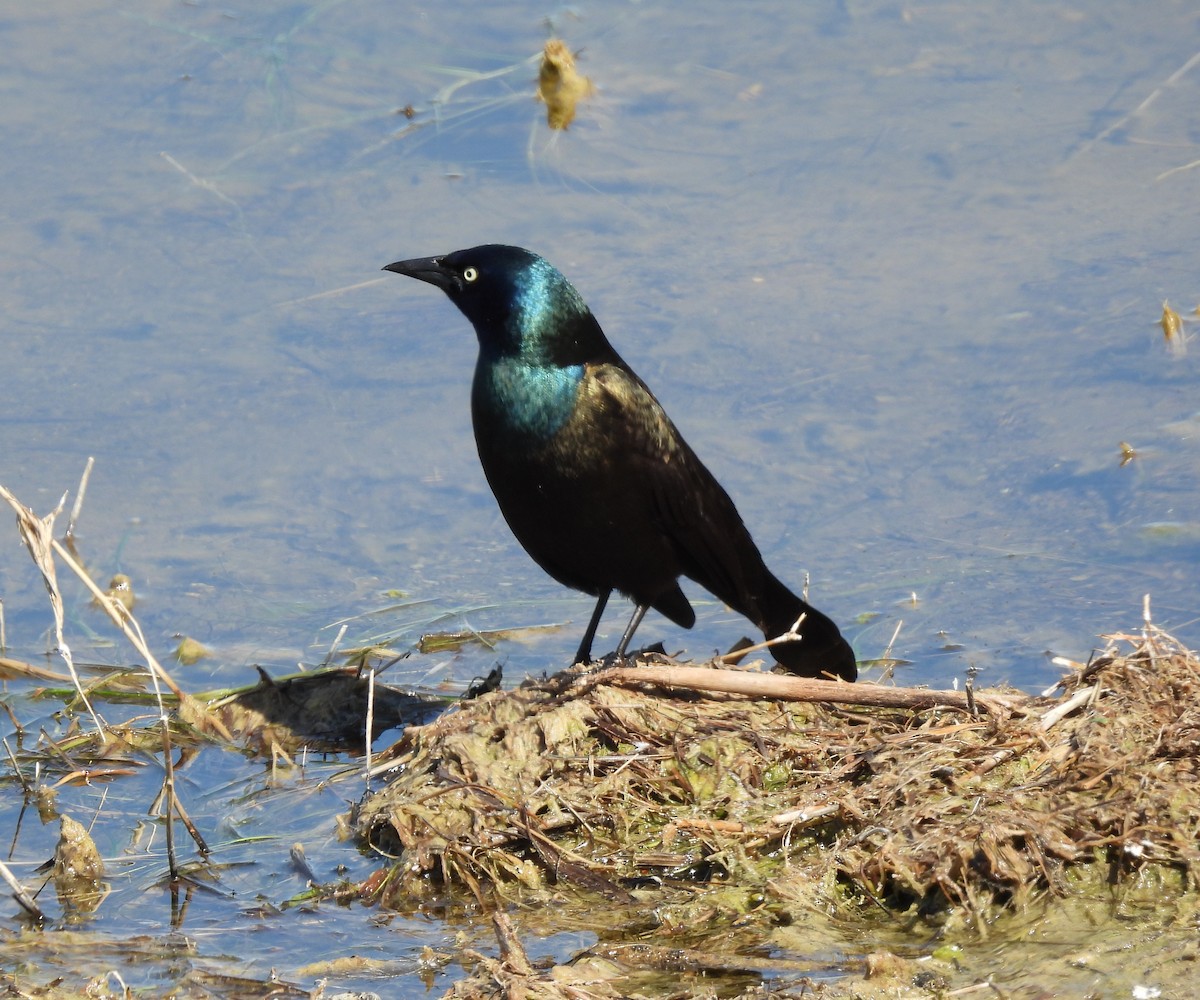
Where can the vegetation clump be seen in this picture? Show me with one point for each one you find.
(626, 784)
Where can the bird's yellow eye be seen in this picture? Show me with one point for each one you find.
(470, 274)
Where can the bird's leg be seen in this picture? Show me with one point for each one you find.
(585, 647)
(638, 614)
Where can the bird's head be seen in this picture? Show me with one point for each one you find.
(518, 302)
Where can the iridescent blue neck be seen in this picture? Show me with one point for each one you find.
(544, 310)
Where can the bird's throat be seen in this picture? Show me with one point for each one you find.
(513, 399)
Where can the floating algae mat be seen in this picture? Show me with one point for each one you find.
(709, 820)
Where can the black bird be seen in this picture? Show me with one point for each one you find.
(590, 473)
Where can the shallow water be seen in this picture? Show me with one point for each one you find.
(896, 272)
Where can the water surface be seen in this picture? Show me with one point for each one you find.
(894, 271)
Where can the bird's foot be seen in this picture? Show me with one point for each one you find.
(582, 676)
(630, 658)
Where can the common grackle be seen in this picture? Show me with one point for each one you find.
(590, 473)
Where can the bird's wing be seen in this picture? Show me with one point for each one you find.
(692, 508)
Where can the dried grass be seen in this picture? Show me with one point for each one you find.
(629, 790)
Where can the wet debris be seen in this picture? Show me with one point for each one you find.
(560, 85)
(1173, 331)
(120, 590)
(485, 685)
(321, 708)
(190, 651)
(78, 870)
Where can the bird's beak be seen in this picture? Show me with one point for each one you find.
(430, 269)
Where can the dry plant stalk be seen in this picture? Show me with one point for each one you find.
(38, 535)
(21, 894)
(784, 687)
(123, 619)
(77, 507)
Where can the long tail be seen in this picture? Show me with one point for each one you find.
(820, 651)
